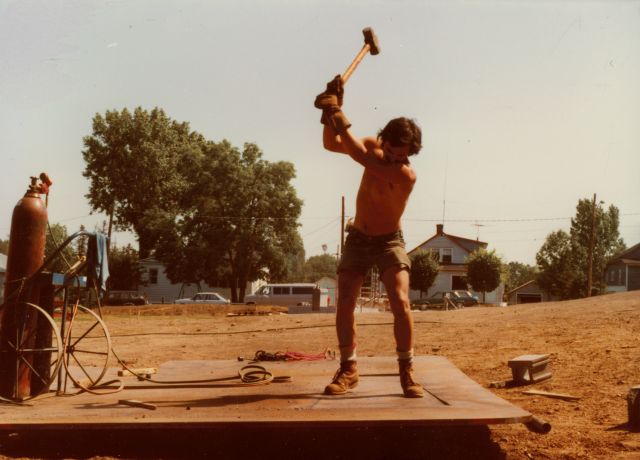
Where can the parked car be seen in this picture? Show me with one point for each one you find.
(458, 297)
(205, 297)
(420, 304)
(125, 298)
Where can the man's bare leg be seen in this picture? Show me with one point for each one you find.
(396, 282)
(349, 284)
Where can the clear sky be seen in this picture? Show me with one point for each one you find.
(526, 106)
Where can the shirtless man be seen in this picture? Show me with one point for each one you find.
(375, 236)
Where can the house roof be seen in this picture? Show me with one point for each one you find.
(520, 287)
(467, 244)
(626, 256)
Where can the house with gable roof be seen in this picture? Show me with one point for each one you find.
(451, 251)
(623, 271)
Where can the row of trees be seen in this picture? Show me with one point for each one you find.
(565, 258)
(209, 211)
(212, 212)
(563, 261)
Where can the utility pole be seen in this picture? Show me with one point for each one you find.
(591, 242)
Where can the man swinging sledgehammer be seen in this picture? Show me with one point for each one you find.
(375, 236)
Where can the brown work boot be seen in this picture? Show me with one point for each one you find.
(346, 378)
(410, 388)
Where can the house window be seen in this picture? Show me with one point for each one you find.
(445, 254)
(153, 276)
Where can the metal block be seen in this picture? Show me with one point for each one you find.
(527, 369)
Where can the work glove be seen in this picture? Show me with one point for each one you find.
(336, 87)
(332, 96)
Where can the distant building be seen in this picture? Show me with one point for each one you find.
(623, 271)
(451, 252)
(529, 292)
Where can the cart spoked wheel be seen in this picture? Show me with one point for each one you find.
(87, 346)
(34, 344)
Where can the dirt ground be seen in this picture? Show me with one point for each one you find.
(593, 344)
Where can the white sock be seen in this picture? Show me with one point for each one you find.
(347, 354)
(405, 355)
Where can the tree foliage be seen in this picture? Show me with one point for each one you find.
(424, 270)
(318, 266)
(518, 273)
(56, 235)
(4, 246)
(238, 221)
(563, 259)
(483, 270)
(557, 273)
(125, 272)
(135, 164)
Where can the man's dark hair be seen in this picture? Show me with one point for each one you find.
(402, 131)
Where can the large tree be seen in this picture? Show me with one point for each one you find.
(563, 260)
(136, 167)
(424, 269)
(557, 273)
(238, 221)
(484, 270)
(598, 226)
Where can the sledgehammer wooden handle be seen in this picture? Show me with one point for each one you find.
(370, 46)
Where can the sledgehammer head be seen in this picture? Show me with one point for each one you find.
(371, 40)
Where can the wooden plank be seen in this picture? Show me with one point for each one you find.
(137, 403)
(551, 395)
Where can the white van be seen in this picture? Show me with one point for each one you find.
(287, 295)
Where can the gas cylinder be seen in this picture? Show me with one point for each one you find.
(27, 238)
(26, 254)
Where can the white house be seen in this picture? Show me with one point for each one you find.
(451, 251)
(159, 289)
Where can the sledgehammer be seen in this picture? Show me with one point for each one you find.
(370, 46)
